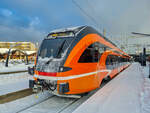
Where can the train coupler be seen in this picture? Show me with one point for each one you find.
(37, 88)
(34, 86)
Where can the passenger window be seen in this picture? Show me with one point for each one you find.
(91, 54)
(109, 60)
(86, 56)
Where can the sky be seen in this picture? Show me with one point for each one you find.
(32, 20)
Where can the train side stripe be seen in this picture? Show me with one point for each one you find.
(73, 76)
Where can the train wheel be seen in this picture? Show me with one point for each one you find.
(84, 94)
(107, 79)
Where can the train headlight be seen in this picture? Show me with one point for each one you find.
(63, 69)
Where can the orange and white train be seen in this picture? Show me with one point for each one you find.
(75, 60)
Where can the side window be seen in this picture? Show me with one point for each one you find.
(91, 54)
(112, 61)
(86, 56)
(108, 60)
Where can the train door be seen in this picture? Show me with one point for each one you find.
(90, 60)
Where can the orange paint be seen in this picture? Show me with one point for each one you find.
(93, 81)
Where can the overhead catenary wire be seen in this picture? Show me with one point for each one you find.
(85, 13)
(91, 18)
(94, 13)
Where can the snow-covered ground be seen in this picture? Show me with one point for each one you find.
(14, 82)
(129, 92)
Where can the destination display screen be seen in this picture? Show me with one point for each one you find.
(60, 34)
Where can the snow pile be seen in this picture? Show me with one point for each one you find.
(48, 64)
(145, 94)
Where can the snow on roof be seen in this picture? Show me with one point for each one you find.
(14, 42)
(30, 52)
(5, 50)
(66, 29)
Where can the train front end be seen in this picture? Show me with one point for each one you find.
(50, 63)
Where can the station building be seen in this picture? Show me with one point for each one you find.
(19, 50)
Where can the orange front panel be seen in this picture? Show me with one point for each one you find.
(79, 68)
(84, 84)
(80, 85)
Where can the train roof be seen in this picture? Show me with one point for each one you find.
(77, 31)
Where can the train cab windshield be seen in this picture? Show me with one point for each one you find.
(52, 48)
(55, 45)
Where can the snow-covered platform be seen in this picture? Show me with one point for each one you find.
(13, 82)
(129, 92)
(14, 67)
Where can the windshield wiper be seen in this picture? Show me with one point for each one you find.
(61, 48)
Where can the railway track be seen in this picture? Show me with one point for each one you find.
(55, 104)
(22, 110)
